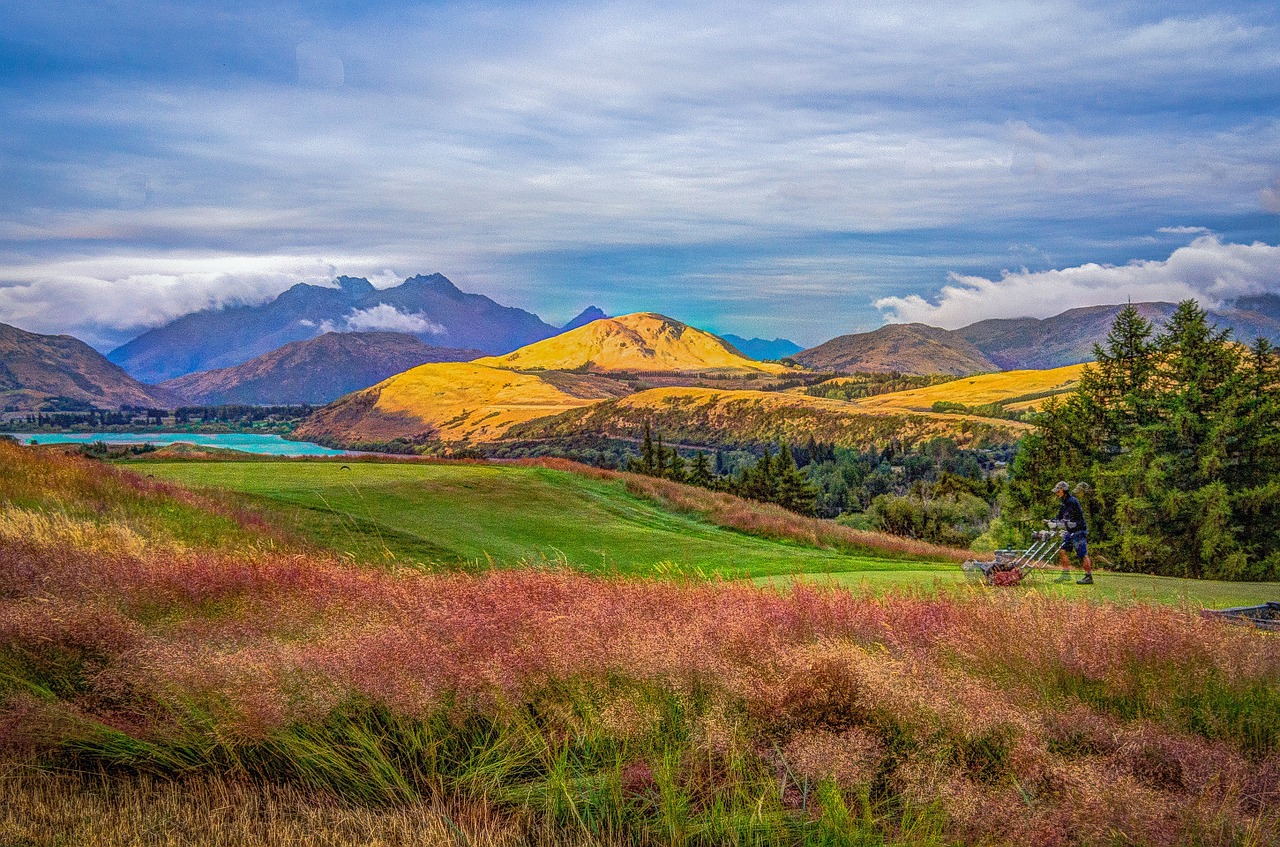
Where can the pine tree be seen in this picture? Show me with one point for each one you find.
(647, 463)
(700, 470)
(794, 490)
(675, 464)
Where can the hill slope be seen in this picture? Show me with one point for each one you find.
(36, 368)
(904, 348)
(641, 342)
(315, 371)
(713, 417)
(451, 402)
(429, 307)
(1013, 390)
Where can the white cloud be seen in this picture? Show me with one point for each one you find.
(1207, 270)
(1185, 230)
(106, 300)
(390, 319)
(1270, 196)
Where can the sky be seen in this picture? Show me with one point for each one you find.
(796, 169)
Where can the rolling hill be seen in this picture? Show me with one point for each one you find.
(36, 369)
(709, 417)
(316, 371)
(902, 348)
(1012, 390)
(430, 307)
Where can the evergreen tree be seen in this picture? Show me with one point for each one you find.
(794, 490)
(1179, 437)
(675, 466)
(700, 470)
(647, 463)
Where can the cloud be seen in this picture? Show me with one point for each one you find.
(1270, 196)
(1185, 230)
(106, 301)
(388, 318)
(1207, 269)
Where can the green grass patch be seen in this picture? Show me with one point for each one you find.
(477, 516)
(1193, 594)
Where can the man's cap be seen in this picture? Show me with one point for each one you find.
(1062, 486)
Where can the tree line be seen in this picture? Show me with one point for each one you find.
(773, 478)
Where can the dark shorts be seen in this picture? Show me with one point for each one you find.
(1077, 542)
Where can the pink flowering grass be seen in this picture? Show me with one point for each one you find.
(644, 711)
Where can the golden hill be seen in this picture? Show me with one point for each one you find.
(1013, 390)
(452, 402)
(641, 342)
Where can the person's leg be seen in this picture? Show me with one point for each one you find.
(1065, 564)
(1082, 550)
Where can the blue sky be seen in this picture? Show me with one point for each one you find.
(796, 169)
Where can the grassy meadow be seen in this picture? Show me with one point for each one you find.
(185, 668)
(475, 516)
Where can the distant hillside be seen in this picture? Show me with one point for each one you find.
(904, 348)
(429, 307)
(451, 402)
(1015, 343)
(711, 418)
(38, 368)
(762, 350)
(315, 371)
(1068, 338)
(1010, 390)
(633, 343)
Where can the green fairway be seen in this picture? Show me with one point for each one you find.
(467, 516)
(1121, 587)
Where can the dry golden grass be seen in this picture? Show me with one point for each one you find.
(42, 808)
(979, 390)
(639, 342)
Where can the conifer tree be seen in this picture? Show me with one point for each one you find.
(700, 470)
(794, 490)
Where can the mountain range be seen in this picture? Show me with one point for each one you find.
(36, 369)
(761, 349)
(428, 307)
(315, 371)
(1015, 343)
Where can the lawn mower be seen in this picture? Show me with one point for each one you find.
(1010, 567)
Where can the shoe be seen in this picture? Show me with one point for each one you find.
(1087, 579)
(1063, 577)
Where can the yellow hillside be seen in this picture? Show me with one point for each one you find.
(981, 390)
(722, 402)
(640, 342)
(452, 401)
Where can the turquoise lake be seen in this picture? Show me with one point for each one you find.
(266, 445)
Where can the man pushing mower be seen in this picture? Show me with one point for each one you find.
(1076, 540)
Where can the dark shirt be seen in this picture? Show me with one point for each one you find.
(1071, 512)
